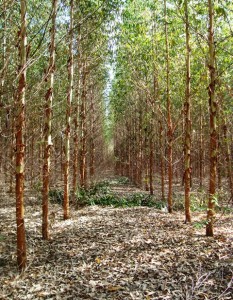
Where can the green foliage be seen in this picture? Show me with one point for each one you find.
(178, 203)
(200, 224)
(56, 196)
(198, 202)
(123, 180)
(2, 237)
(37, 186)
(137, 199)
(160, 205)
(101, 194)
(87, 196)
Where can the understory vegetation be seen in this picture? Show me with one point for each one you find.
(104, 193)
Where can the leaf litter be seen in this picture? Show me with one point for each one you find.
(117, 253)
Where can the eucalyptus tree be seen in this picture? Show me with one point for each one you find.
(10, 14)
(213, 122)
(48, 123)
(3, 72)
(223, 40)
(70, 68)
(20, 145)
(187, 110)
(169, 113)
(3, 54)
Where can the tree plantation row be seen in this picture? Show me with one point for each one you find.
(145, 86)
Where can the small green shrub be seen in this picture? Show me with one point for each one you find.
(101, 194)
(37, 186)
(160, 204)
(198, 202)
(104, 200)
(178, 203)
(110, 199)
(200, 224)
(56, 196)
(102, 187)
(89, 196)
(141, 199)
(123, 180)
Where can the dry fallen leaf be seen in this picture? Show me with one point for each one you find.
(112, 288)
(98, 260)
(116, 254)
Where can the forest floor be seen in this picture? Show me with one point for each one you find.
(117, 253)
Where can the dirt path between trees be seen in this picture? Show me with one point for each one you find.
(117, 253)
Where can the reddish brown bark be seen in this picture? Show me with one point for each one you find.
(151, 165)
(47, 128)
(187, 104)
(201, 151)
(161, 159)
(92, 135)
(213, 125)
(20, 146)
(228, 161)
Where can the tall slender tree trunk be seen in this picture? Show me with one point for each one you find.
(48, 127)
(75, 151)
(228, 160)
(12, 156)
(213, 124)
(219, 147)
(92, 136)
(76, 121)
(70, 67)
(151, 162)
(134, 137)
(161, 159)
(129, 147)
(61, 146)
(187, 104)
(83, 127)
(201, 151)
(32, 160)
(140, 149)
(20, 146)
(169, 119)
(2, 78)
